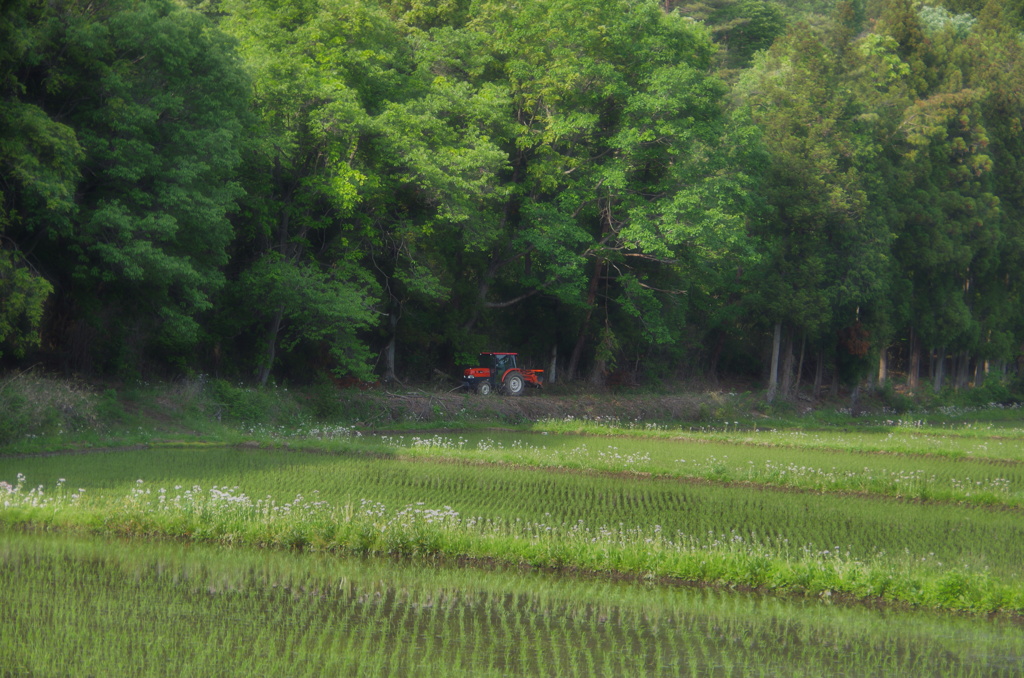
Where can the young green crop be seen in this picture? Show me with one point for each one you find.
(634, 516)
(799, 542)
(911, 437)
(817, 467)
(862, 525)
(83, 606)
(984, 481)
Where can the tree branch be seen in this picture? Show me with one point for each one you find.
(511, 302)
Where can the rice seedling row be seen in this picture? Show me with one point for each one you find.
(961, 480)
(976, 481)
(911, 437)
(591, 505)
(71, 604)
(923, 553)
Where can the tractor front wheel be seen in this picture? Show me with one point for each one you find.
(514, 384)
(484, 388)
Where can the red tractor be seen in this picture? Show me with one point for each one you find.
(498, 372)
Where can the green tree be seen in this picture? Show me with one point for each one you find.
(375, 155)
(316, 69)
(38, 173)
(986, 142)
(615, 166)
(952, 231)
(155, 98)
(826, 249)
(740, 27)
(22, 295)
(440, 194)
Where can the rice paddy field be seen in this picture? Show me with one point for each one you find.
(569, 549)
(77, 606)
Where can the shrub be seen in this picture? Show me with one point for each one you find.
(245, 404)
(324, 401)
(893, 400)
(36, 405)
(109, 408)
(14, 423)
(994, 391)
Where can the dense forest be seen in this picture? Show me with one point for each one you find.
(624, 191)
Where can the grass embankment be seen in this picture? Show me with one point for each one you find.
(45, 414)
(641, 547)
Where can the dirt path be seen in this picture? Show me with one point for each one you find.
(387, 407)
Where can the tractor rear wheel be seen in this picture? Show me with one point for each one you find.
(484, 388)
(514, 384)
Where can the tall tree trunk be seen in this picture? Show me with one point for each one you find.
(716, 354)
(800, 363)
(914, 368)
(938, 368)
(883, 365)
(272, 332)
(787, 366)
(980, 370)
(288, 250)
(773, 377)
(481, 293)
(577, 349)
(834, 383)
(552, 374)
(389, 361)
(606, 347)
(819, 372)
(389, 351)
(498, 257)
(964, 375)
